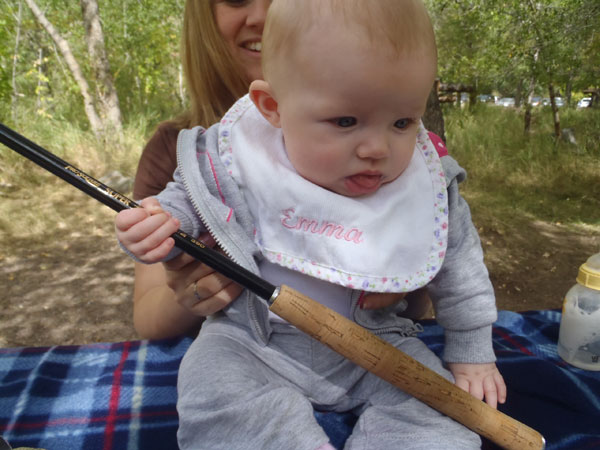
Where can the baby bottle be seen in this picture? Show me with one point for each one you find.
(579, 335)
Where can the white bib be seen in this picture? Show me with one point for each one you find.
(391, 241)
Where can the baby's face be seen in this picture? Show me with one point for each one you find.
(350, 112)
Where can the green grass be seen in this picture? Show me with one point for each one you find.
(77, 147)
(35, 204)
(511, 175)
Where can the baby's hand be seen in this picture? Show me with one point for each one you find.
(146, 231)
(480, 380)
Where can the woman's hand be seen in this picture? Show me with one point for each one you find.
(165, 304)
(197, 287)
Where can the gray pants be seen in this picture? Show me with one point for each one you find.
(235, 394)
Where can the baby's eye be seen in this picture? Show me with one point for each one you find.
(345, 122)
(403, 123)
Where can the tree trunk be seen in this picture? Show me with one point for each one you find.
(108, 100)
(519, 94)
(569, 89)
(15, 94)
(527, 118)
(531, 90)
(555, 115)
(73, 65)
(433, 119)
(472, 99)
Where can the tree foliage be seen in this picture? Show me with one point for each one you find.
(142, 47)
(519, 48)
(509, 47)
(503, 44)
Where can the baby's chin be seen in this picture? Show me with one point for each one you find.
(353, 192)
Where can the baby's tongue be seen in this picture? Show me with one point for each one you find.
(366, 181)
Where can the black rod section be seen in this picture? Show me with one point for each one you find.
(118, 202)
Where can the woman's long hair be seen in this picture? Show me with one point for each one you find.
(214, 80)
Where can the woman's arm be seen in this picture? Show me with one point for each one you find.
(156, 312)
(165, 304)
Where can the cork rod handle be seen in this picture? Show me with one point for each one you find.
(384, 360)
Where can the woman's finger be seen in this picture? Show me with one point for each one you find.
(180, 262)
(184, 259)
(218, 301)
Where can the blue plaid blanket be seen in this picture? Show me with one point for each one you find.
(122, 395)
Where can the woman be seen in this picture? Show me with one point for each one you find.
(220, 56)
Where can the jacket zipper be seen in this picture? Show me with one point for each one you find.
(251, 309)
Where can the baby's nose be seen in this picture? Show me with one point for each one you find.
(373, 148)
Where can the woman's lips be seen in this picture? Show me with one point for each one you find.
(363, 183)
(254, 46)
(251, 47)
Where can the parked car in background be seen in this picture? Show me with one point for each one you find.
(558, 100)
(506, 102)
(585, 102)
(485, 98)
(535, 101)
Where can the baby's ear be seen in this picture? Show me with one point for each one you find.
(262, 96)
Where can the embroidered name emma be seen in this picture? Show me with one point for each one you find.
(323, 227)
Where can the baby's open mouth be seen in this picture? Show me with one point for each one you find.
(364, 183)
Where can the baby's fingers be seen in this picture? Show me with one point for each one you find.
(149, 240)
(501, 387)
(151, 205)
(156, 254)
(462, 383)
(490, 391)
(152, 231)
(128, 218)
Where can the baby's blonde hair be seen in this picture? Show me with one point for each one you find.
(404, 25)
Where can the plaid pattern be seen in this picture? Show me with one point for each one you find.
(104, 396)
(122, 396)
(560, 401)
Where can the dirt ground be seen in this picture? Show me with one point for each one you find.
(75, 287)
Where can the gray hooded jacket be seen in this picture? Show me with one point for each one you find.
(204, 197)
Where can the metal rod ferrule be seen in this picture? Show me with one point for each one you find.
(274, 296)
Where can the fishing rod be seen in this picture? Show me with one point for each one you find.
(119, 202)
(325, 325)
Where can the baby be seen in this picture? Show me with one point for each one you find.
(324, 179)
